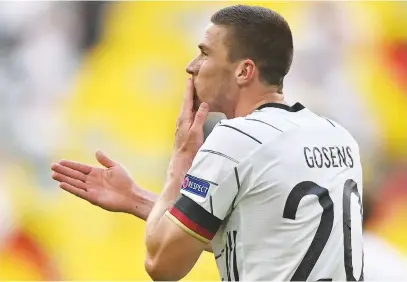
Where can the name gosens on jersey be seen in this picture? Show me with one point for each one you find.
(278, 193)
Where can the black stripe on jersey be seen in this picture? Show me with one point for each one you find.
(221, 253)
(330, 122)
(294, 108)
(229, 235)
(211, 204)
(238, 186)
(235, 270)
(197, 214)
(225, 125)
(292, 122)
(237, 179)
(219, 154)
(227, 259)
(326, 120)
(253, 119)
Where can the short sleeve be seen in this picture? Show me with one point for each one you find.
(212, 184)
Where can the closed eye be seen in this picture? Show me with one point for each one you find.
(203, 51)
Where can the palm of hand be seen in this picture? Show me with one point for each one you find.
(110, 188)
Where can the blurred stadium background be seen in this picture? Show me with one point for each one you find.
(78, 76)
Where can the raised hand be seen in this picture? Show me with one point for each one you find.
(189, 135)
(110, 188)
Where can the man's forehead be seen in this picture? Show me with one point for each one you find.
(214, 35)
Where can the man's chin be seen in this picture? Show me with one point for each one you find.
(197, 103)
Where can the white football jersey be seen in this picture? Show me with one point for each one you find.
(278, 193)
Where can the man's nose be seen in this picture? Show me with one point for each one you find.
(189, 70)
(192, 67)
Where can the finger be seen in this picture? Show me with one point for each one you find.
(84, 168)
(104, 160)
(74, 190)
(188, 102)
(68, 172)
(201, 116)
(71, 181)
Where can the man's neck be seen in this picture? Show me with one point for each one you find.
(250, 104)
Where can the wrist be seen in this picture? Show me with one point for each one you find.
(179, 165)
(141, 202)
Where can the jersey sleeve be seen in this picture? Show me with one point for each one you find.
(212, 184)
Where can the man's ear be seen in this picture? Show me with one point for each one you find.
(245, 71)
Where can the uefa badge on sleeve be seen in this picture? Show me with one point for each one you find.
(196, 186)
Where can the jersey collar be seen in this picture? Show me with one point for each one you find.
(294, 108)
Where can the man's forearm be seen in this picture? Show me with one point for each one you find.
(177, 170)
(143, 202)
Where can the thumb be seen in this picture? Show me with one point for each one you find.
(104, 160)
(201, 116)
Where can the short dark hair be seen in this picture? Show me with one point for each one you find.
(259, 34)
